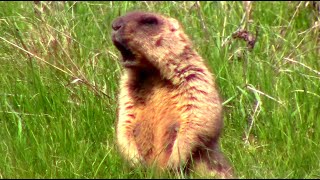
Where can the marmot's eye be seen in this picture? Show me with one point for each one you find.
(149, 21)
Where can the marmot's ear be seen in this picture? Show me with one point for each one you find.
(174, 24)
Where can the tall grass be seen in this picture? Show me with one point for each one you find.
(59, 74)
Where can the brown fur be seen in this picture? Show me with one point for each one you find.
(169, 112)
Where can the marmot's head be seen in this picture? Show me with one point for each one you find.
(146, 38)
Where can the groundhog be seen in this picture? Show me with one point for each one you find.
(169, 111)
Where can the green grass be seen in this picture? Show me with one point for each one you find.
(59, 74)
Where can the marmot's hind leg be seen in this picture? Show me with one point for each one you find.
(211, 163)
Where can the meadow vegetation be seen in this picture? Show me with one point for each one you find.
(59, 77)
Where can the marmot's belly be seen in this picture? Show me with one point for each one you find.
(156, 127)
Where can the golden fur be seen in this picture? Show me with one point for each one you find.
(169, 111)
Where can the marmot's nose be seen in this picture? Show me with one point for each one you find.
(117, 24)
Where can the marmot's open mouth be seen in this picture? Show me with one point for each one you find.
(128, 58)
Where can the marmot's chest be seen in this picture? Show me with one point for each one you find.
(157, 119)
(151, 92)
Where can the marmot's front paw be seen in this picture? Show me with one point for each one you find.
(178, 156)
